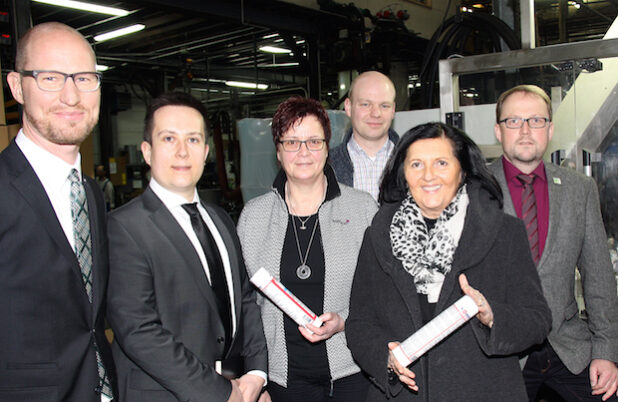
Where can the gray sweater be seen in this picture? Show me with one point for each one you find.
(343, 220)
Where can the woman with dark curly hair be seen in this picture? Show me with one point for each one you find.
(307, 233)
(440, 224)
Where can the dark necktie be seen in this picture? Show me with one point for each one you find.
(83, 251)
(215, 267)
(528, 213)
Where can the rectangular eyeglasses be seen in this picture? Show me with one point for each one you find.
(518, 122)
(53, 81)
(313, 144)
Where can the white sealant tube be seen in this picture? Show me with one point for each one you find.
(284, 299)
(435, 330)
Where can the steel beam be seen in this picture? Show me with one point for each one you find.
(450, 69)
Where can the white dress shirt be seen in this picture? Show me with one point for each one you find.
(173, 202)
(53, 173)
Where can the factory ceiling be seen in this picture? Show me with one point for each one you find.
(202, 44)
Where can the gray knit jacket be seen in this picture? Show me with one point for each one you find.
(343, 220)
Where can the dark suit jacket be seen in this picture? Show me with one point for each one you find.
(163, 311)
(48, 324)
(575, 238)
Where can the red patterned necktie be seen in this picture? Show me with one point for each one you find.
(528, 214)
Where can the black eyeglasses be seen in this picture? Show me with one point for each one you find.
(53, 81)
(518, 122)
(313, 144)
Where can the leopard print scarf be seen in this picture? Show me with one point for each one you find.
(428, 256)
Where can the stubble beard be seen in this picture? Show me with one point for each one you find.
(73, 133)
(527, 157)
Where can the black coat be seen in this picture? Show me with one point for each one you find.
(49, 326)
(474, 363)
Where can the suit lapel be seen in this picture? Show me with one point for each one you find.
(555, 191)
(498, 171)
(232, 252)
(27, 183)
(165, 223)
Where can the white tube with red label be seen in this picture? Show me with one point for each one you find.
(435, 330)
(284, 299)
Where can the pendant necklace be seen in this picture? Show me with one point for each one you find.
(303, 225)
(303, 222)
(304, 271)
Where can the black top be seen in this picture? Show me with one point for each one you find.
(306, 360)
(427, 309)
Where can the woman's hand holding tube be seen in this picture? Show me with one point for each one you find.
(331, 324)
(485, 314)
(404, 374)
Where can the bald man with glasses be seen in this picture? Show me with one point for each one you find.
(53, 244)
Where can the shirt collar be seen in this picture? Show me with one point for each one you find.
(354, 147)
(51, 170)
(170, 199)
(511, 172)
(332, 187)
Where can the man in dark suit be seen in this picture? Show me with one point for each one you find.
(180, 303)
(53, 245)
(561, 210)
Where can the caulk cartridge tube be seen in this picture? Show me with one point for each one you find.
(284, 299)
(435, 330)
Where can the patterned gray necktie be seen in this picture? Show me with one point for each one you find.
(83, 251)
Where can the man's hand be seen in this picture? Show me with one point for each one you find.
(265, 397)
(331, 324)
(603, 378)
(250, 387)
(235, 396)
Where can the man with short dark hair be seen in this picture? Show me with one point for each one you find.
(53, 243)
(561, 210)
(180, 304)
(360, 159)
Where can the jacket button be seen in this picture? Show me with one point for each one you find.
(220, 339)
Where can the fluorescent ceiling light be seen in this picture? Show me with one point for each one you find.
(270, 36)
(101, 68)
(240, 84)
(273, 49)
(80, 5)
(119, 32)
(292, 64)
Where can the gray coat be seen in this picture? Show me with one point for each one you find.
(575, 238)
(261, 229)
(474, 363)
